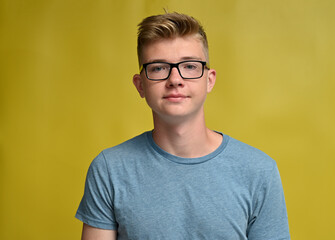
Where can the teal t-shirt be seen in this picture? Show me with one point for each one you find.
(144, 192)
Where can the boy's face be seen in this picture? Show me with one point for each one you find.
(175, 98)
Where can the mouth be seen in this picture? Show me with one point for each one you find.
(175, 97)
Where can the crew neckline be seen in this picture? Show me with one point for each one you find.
(181, 160)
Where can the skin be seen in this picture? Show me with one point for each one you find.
(177, 107)
(91, 233)
(178, 104)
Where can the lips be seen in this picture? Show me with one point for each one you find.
(175, 97)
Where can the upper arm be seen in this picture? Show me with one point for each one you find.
(92, 233)
(269, 215)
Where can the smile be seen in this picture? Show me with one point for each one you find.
(175, 97)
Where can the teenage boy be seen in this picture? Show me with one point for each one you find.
(181, 180)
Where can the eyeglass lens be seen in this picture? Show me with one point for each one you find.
(189, 69)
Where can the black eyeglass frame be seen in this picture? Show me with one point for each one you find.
(174, 65)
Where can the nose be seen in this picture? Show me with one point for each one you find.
(174, 79)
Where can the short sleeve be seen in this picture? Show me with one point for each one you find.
(269, 219)
(96, 206)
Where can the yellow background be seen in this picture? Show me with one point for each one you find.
(66, 93)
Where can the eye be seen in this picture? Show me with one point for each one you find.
(190, 66)
(156, 68)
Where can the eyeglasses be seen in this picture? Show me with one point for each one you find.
(157, 71)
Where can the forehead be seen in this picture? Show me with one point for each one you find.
(174, 50)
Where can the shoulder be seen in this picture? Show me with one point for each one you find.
(248, 156)
(128, 150)
(131, 146)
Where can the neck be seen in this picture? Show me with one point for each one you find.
(188, 139)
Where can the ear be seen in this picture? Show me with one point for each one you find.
(211, 78)
(137, 80)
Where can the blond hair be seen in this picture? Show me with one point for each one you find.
(169, 25)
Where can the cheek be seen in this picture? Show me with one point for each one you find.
(205, 88)
(150, 94)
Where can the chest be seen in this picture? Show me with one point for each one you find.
(182, 203)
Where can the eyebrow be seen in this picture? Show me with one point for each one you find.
(182, 59)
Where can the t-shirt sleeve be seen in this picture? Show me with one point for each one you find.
(96, 206)
(269, 219)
